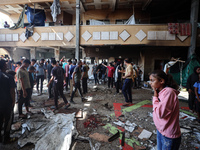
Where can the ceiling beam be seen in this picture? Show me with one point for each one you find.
(4, 12)
(13, 2)
(146, 5)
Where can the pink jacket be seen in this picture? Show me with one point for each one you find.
(166, 113)
(67, 70)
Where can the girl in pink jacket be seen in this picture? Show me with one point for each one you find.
(166, 110)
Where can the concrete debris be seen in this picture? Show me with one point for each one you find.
(40, 131)
(47, 113)
(185, 116)
(119, 123)
(145, 134)
(97, 145)
(154, 148)
(150, 114)
(16, 126)
(99, 137)
(130, 127)
(185, 130)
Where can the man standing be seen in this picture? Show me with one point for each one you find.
(95, 71)
(126, 89)
(84, 77)
(7, 101)
(190, 88)
(76, 77)
(118, 77)
(57, 77)
(71, 70)
(67, 73)
(49, 69)
(40, 75)
(23, 87)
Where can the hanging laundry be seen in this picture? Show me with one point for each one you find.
(173, 28)
(185, 29)
(20, 22)
(55, 9)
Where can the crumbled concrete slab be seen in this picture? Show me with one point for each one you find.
(145, 134)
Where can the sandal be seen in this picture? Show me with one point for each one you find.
(126, 104)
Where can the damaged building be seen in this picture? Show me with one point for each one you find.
(150, 33)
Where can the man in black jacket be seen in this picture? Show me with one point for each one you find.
(190, 82)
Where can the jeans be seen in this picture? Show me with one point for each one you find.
(84, 85)
(77, 86)
(165, 143)
(58, 89)
(95, 78)
(41, 78)
(110, 82)
(104, 78)
(126, 90)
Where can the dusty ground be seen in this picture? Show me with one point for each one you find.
(100, 105)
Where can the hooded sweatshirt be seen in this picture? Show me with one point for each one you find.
(166, 112)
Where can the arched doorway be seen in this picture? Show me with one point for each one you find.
(4, 52)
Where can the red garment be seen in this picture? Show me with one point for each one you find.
(111, 71)
(16, 73)
(67, 70)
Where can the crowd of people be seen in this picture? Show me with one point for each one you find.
(72, 75)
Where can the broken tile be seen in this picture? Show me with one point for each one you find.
(145, 134)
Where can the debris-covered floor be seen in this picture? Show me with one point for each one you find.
(101, 123)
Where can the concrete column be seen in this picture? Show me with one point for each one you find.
(33, 53)
(57, 53)
(77, 29)
(193, 21)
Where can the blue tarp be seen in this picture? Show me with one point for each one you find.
(39, 19)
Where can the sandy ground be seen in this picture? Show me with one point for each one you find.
(100, 104)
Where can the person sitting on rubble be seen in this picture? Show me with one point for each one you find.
(7, 101)
(58, 76)
(190, 87)
(166, 110)
(197, 98)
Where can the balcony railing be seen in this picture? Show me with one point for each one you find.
(153, 35)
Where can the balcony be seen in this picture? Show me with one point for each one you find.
(148, 35)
